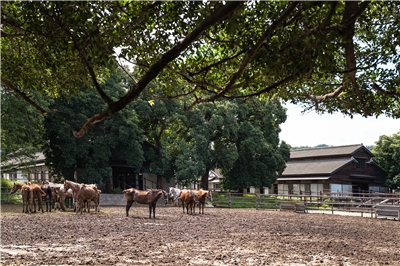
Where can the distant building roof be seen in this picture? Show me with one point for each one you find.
(327, 151)
(17, 161)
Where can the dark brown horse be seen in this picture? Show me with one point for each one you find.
(149, 197)
(190, 198)
(51, 196)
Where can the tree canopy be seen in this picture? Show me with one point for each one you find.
(90, 155)
(331, 56)
(387, 155)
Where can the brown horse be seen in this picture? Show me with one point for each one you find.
(39, 194)
(75, 187)
(149, 197)
(27, 198)
(51, 196)
(83, 193)
(62, 196)
(190, 198)
(203, 195)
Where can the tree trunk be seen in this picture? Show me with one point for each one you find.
(159, 182)
(204, 180)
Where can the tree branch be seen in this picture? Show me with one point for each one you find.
(267, 34)
(26, 97)
(155, 69)
(321, 98)
(350, 14)
(390, 93)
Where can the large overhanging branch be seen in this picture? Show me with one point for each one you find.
(390, 93)
(351, 12)
(321, 98)
(155, 69)
(267, 34)
(26, 97)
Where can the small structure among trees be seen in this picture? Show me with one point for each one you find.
(342, 169)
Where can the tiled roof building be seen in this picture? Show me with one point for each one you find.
(347, 168)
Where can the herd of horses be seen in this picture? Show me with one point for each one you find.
(55, 196)
(186, 196)
(83, 196)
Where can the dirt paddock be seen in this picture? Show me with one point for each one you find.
(218, 237)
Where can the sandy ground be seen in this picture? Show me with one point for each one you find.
(218, 237)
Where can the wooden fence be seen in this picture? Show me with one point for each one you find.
(7, 197)
(363, 203)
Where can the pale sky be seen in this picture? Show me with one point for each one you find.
(312, 129)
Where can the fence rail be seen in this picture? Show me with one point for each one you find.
(361, 202)
(7, 197)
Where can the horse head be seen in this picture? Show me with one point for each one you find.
(15, 188)
(66, 186)
(209, 195)
(165, 196)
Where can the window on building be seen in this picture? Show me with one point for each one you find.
(307, 187)
(360, 163)
(290, 188)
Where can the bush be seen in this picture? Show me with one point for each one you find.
(6, 183)
(117, 190)
(6, 186)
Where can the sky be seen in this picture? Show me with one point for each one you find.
(312, 129)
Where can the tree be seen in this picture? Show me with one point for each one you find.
(387, 155)
(90, 155)
(242, 140)
(261, 157)
(21, 127)
(331, 56)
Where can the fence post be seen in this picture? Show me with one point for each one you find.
(229, 200)
(256, 202)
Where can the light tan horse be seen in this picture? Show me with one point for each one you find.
(27, 199)
(62, 196)
(83, 193)
(203, 195)
(190, 198)
(149, 197)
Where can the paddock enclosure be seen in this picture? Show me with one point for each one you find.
(221, 236)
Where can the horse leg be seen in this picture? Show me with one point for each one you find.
(88, 205)
(78, 206)
(40, 199)
(50, 198)
(128, 206)
(154, 210)
(33, 202)
(62, 202)
(150, 207)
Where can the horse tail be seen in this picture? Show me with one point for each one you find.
(42, 193)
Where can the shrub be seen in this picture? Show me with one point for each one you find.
(117, 190)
